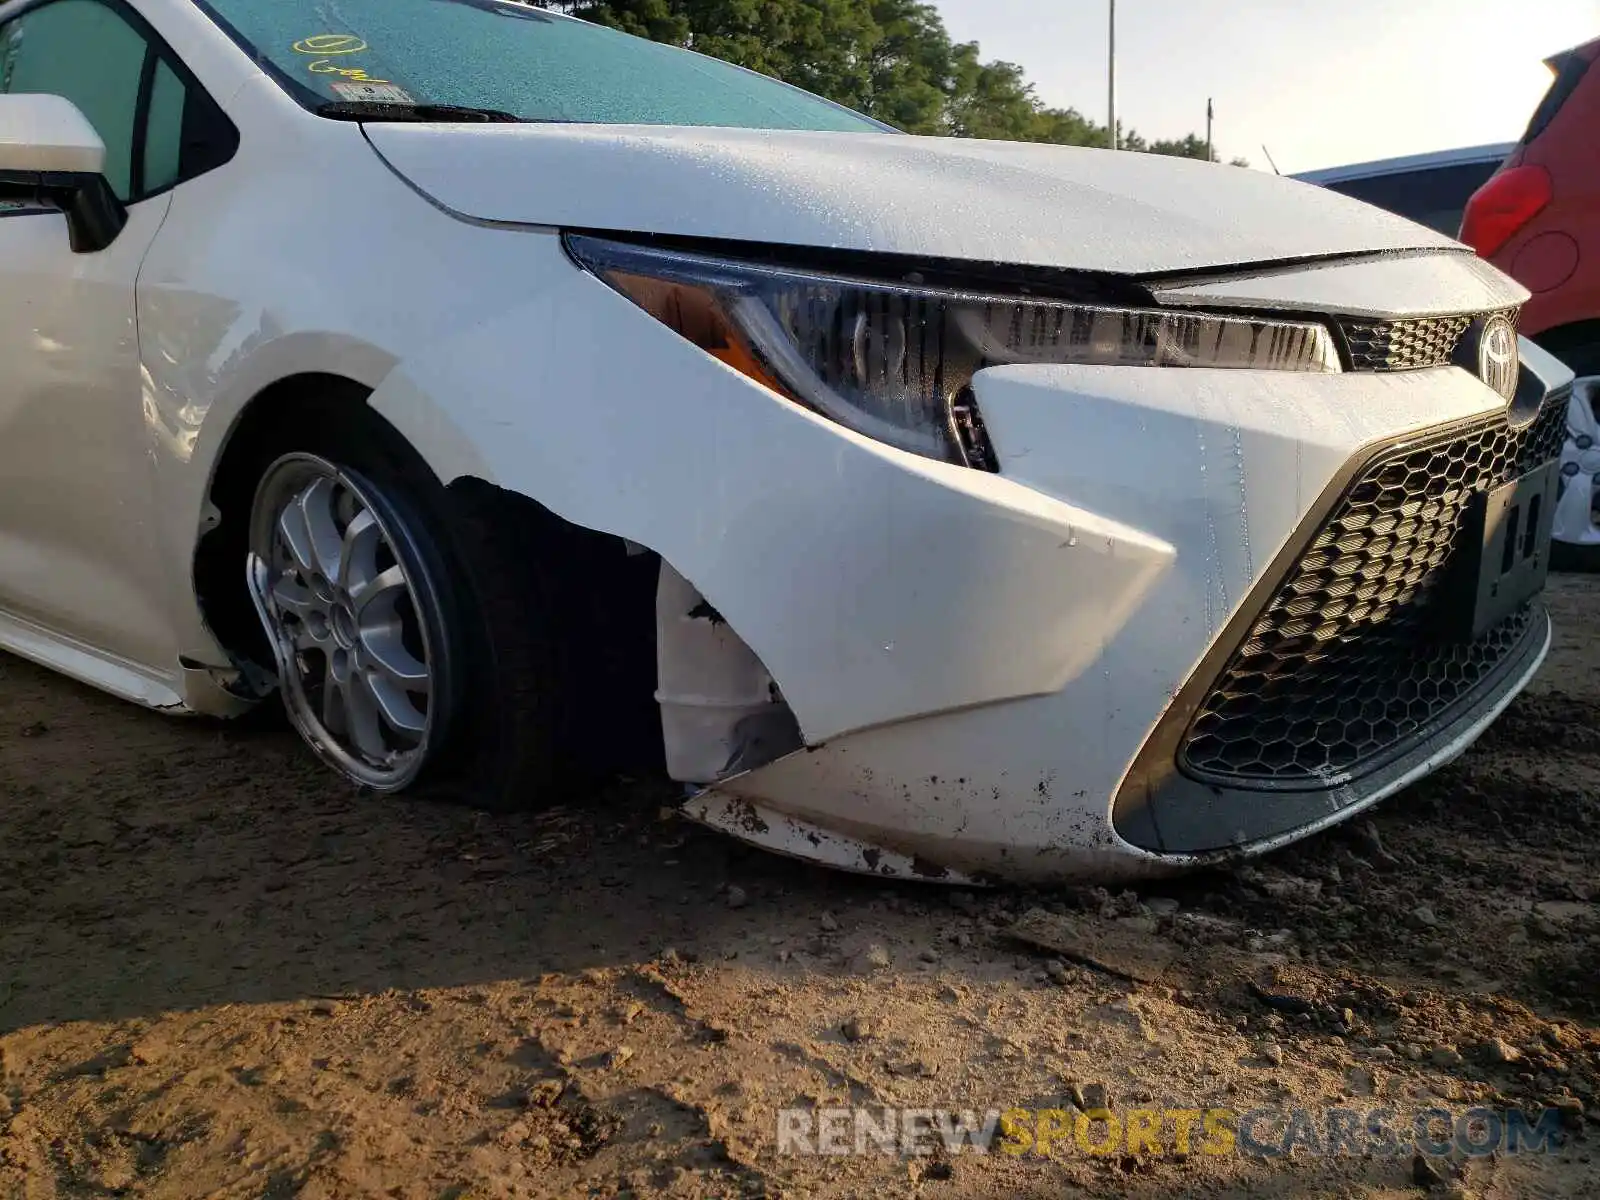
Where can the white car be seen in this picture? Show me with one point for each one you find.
(515, 396)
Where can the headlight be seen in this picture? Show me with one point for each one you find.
(894, 361)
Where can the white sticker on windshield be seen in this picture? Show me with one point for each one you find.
(373, 93)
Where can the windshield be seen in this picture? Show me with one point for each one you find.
(508, 57)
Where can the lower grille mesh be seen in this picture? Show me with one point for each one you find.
(1342, 670)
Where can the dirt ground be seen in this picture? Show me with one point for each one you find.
(222, 974)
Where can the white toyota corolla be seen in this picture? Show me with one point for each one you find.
(520, 399)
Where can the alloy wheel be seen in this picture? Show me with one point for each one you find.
(353, 617)
(1578, 508)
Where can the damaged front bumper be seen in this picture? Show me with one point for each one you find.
(893, 664)
(1257, 569)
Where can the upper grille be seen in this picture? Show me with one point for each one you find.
(1409, 344)
(1341, 670)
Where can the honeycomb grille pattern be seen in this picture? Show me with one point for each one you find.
(1404, 345)
(1341, 672)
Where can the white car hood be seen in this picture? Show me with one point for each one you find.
(1021, 203)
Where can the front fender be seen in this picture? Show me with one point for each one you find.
(874, 585)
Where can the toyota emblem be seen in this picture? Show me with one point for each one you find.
(1499, 363)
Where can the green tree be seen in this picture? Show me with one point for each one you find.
(1188, 146)
(910, 66)
(990, 100)
(891, 59)
(654, 19)
(1067, 127)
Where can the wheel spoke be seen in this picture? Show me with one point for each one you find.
(297, 538)
(361, 715)
(359, 553)
(316, 510)
(313, 636)
(332, 700)
(389, 585)
(395, 706)
(292, 596)
(390, 659)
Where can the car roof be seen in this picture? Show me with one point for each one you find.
(1493, 152)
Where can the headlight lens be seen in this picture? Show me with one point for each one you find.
(894, 361)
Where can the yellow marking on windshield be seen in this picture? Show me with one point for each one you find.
(324, 67)
(330, 43)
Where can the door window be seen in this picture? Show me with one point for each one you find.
(163, 138)
(96, 56)
(82, 50)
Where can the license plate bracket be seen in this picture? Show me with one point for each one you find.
(1505, 552)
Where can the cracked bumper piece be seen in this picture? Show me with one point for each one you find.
(1276, 666)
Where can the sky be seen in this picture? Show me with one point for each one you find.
(1319, 82)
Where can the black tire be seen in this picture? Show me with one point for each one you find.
(562, 620)
(507, 742)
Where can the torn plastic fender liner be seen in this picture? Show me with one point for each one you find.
(721, 712)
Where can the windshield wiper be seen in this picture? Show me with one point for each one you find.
(394, 110)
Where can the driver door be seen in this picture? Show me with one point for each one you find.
(75, 490)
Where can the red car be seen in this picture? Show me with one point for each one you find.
(1538, 219)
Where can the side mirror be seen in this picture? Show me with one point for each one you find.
(50, 153)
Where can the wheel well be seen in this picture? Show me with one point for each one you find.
(612, 586)
(272, 424)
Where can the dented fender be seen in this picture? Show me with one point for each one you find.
(875, 585)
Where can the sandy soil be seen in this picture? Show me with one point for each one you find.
(222, 974)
